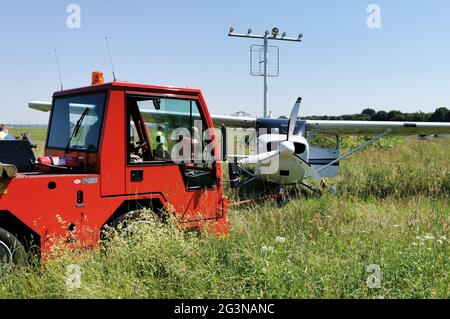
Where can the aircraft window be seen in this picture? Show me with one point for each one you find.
(272, 146)
(276, 130)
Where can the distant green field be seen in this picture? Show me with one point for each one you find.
(392, 214)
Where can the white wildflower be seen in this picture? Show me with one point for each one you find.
(280, 239)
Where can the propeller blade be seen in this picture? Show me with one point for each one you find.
(311, 171)
(258, 158)
(293, 119)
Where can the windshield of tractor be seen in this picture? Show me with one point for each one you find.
(76, 122)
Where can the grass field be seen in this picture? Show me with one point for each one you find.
(392, 212)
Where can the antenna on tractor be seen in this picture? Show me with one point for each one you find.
(110, 58)
(59, 70)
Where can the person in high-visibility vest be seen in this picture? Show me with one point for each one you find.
(160, 138)
(161, 151)
(3, 132)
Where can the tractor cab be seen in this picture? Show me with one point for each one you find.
(138, 139)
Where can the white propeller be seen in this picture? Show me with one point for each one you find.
(293, 119)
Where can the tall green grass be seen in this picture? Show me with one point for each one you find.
(393, 210)
(316, 248)
(398, 167)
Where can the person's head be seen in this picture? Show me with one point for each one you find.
(161, 128)
(3, 128)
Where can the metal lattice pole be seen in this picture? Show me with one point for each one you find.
(265, 75)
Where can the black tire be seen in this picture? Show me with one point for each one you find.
(122, 222)
(125, 219)
(12, 251)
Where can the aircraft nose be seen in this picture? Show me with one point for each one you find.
(287, 148)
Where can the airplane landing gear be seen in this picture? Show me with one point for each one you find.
(282, 197)
(333, 190)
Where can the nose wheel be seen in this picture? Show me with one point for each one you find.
(282, 197)
(333, 190)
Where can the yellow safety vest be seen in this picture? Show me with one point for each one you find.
(162, 140)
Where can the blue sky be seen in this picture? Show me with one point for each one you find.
(342, 66)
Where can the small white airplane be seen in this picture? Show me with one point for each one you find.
(284, 157)
(297, 159)
(290, 147)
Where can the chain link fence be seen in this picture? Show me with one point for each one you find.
(25, 125)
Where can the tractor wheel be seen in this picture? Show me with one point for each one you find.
(12, 251)
(122, 222)
(133, 217)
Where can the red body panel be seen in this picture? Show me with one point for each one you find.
(106, 184)
(113, 171)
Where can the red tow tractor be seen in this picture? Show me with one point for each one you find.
(105, 158)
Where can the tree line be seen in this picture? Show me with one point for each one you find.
(441, 114)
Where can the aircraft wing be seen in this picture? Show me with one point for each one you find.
(373, 127)
(234, 121)
(156, 116)
(40, 106)
(315, 126)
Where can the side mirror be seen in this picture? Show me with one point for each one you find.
(157, 104)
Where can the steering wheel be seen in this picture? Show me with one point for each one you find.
(139, 145)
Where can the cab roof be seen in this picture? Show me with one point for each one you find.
(129, 86)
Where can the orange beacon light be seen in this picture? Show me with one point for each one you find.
(97, 78)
